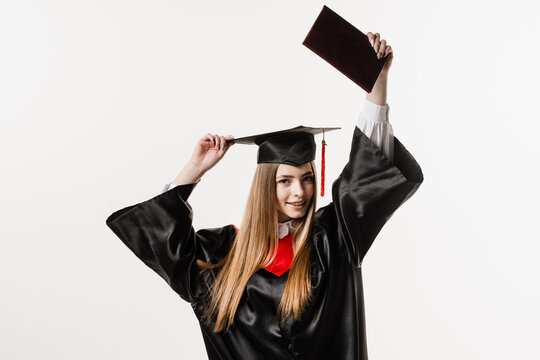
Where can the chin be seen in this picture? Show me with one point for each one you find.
(297, 216)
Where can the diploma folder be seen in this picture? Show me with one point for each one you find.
(345, 47)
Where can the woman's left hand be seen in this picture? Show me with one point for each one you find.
(382, 49)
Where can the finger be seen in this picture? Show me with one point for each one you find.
(229, 137)
(214, 141)
(371, 37)
(207, 140)
(222, 143)
(382, 49)
(217, 140)
(377, 42)
(388, 50)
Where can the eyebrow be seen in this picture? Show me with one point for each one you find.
(290, 176)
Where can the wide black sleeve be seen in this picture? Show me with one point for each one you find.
(369, 190)
(159, 231)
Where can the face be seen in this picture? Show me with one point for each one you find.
(294, 190)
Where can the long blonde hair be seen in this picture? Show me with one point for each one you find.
(254, 247)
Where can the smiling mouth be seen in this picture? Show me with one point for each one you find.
(298, 204)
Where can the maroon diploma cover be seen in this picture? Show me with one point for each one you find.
(344, 47)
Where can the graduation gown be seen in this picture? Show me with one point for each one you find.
(370, 188)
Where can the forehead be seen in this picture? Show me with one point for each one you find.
(290, 170)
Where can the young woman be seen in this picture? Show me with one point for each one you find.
(287, 284)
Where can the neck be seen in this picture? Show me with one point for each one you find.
(290, 220)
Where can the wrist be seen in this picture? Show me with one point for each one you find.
(195, 170)
(190, 174)
(378, 93)
(382, 80)
(384, 74)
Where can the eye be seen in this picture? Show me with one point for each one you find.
(283, 181)
(308, 179)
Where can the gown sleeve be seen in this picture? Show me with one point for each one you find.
(368, 191)
(159, 232)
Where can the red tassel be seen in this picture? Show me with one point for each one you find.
(323, 152)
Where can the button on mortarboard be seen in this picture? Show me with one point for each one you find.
(294, 146)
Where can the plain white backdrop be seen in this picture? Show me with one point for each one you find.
(101, 103)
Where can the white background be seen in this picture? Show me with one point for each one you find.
(101, 103)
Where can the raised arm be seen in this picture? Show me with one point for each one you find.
(209, 150)
(159, 231)
(378, 93)
(373, 121)
(375, 182)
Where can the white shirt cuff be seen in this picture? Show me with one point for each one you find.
(375, 113)
(373, 122)
(168, 187)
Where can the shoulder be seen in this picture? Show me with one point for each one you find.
(324, 218)
(327, 237)
(215, 243)
(325, 224)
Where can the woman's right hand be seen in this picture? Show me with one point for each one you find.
(208, 151)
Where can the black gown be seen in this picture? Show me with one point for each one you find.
(370, 188)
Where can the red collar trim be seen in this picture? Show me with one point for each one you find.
(284, 257)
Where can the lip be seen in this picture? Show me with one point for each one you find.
(297, 204)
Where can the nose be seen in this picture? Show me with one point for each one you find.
(298, 189)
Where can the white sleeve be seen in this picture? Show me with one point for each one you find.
(373, 122)
(168, 187)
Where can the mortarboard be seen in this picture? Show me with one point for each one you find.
(294, 146)
(345, 47)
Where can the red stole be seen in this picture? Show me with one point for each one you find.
(284, 257)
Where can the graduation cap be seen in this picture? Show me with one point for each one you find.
(345, 47)
(294, 146)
